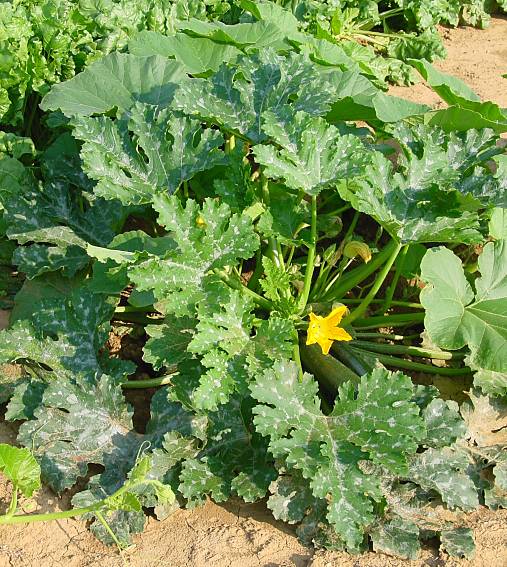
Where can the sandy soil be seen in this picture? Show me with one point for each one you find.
(234, 535)
(240, 535)
(477, 57)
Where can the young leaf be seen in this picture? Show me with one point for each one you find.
(232, 354)
(21, 468)
(168, 343)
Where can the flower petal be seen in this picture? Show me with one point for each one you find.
(325, 345)
(336, 315)
(339, 334)
(310, 339)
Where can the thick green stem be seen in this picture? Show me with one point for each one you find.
(407, 304)
(274, 251)
(14, 502)
(356, 276)
(352, 226)
(397, 273)
(230, 144)
(390, 13)
(108, 529)
(329, 371)
(363, 306)
(148, 383)
(138, 318)
(297, 357)
(29, 518)
(310, 261)
(132, 309)
(34, 100)
(386, 336)
(397, 320)
(419, 367)
(409, 350)
(236, 284)
(254, 280)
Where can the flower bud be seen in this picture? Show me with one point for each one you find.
(355, 248)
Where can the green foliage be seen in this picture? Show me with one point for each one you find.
(456, 316)
(21, 468)
(313, 154)
(145, 154)
(176, 209)
(327, 449)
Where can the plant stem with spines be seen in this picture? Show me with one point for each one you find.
(397, 273)
(148, 383)
(363, 306)
(236, 284)
(396, 320)
(357, 275)
(310, 261)
(408, 350)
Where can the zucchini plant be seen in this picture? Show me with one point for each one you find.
(284, 240)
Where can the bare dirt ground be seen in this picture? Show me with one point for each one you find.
(477, 57)
(238, 534)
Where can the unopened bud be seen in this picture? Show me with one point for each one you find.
(355, 248)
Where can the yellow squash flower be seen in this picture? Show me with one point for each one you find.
(325, 330)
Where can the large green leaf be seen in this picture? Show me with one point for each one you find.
(196, 55)
(456, 316)
(466, 109)
(237, 95)
(117, 81)
(417, 203)
(58, 219)
(149, 151)
(207, 238)
(327, 449)
(65, 335)
(234, 458)
(313, 155)
(75, 427)
(243, 35)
